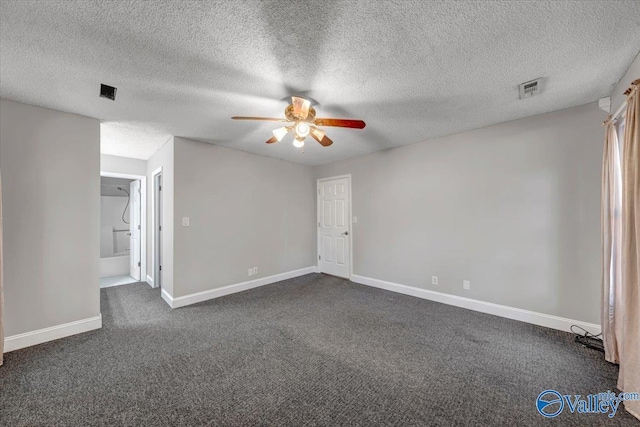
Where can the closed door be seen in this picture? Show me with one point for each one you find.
(334, 239)
(134, 224)
(157, 249)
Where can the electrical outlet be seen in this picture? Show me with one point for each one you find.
(185, 221)
(434, 280)
(255, 270)
(466, 285)
(250, 272)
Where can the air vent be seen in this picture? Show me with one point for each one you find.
(108, 92)
(529, 89)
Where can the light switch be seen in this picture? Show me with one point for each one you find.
(466, 285)
(185, 221)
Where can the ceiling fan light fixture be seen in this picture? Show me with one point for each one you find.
(302, 129)
(280, 133)
(302, 122)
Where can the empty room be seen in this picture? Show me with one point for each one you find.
(319, 213)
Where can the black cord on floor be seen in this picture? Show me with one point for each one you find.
(587, 339)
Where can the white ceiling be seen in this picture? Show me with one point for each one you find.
(411, 70)
(130, 140)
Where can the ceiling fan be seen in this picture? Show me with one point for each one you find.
(302, 117)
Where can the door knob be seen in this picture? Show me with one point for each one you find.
(346, 233)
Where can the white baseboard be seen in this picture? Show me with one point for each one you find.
(541, 319)
(232, 289)
(167, 298)
(16, 342)
(149, 280)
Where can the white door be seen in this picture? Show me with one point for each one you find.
(334, 214)
(134, 227)
(157, 246)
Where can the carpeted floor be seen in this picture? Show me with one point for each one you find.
(315, 350)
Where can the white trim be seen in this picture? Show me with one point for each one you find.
(154, 226)
(16, 342)
(143, 215)
(348, 178)
(167, 298)
(541, 319)
(149, 280)
(232, 289)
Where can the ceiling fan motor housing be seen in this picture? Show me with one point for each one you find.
(291, 116)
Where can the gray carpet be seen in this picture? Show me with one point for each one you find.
(315, 350)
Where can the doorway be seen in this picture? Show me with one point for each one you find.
(122, 229)
(334, 226)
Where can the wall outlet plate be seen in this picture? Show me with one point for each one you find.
(185, 221)
(434, 280)
(466, 285)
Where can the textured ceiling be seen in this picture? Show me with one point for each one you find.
(411, 70)
(130, 140)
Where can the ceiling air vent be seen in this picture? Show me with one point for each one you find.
(528, 89)
(108, 92)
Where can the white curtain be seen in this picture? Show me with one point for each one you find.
(611, 245)
(621, 248)
(629, 379)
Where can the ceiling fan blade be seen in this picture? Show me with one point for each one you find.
(300, 107)
(325, 141)
(318, 134)
(272, 140)
(341, 123)
(264, 119)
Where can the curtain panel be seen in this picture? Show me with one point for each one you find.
(629, 379)
(612, 309)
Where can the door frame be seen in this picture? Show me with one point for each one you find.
(318, 182)
(155, 252)
(143, 216)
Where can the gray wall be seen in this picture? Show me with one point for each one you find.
(164, 158)
(51, 231)
(245, 210)
(117, 164)
(515, 208)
